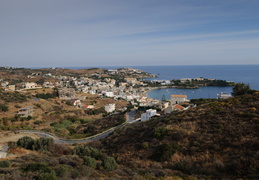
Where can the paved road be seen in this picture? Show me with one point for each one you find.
(71, 141)
(101, 135)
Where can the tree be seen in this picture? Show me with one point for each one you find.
(25, 142)
(43, 144)
(109, 163)
(163, 99)
(163, 152)
(241, 89)
(89, 161)
(5, 164)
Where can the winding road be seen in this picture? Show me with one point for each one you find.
(71, 141)
(3, 149)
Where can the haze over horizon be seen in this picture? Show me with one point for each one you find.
(63, 33)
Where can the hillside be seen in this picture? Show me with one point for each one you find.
(214, 140)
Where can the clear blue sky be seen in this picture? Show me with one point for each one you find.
(65, 33)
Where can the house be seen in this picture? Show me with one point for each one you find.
(177, 107)
(66, 93)
(178, 99)
(5, 83)
(31, 85)
(25, 112)
(148, 114)
(171, 108)
(131, 80)
(108, 94)
(76, 102)
(163, 105)
(185, 80)
(109, 108)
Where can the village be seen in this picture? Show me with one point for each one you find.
(80, 107)
(125, 84)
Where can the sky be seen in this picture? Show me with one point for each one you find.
(81, 33)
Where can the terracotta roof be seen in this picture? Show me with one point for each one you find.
(178, 106)
(182, 96)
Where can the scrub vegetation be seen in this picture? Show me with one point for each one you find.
(218, 139)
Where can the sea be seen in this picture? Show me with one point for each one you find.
(248, 74)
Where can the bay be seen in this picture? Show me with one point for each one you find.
(202, 92)
(248, 74)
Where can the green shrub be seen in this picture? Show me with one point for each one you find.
(41, 167)
(5, 164)
(160, 132)
(25, 142)
(241, 89)
(3, 108)
(62, 171)
(43, 144)
(145, 145)
(37, 122)
(91, 162)
(82, 151)
(110, 163)
(164, 151)
(47, 176)
(45, 96)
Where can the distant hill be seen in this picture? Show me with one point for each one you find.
(214, 140)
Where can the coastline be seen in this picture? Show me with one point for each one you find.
(154, 88)
(206, 92)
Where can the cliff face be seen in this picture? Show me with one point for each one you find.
(218, 139)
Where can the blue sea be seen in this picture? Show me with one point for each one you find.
(248, 74)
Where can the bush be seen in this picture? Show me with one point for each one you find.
(160, 132)
(91, 162)
(82, 151)
(43, 144)
(3, 108)
(241, 89)
(5, 164)
(164, 151)
(62, 171)
(109, 164)
(47, 176)
(25, 142)
(41, 167)
(45, 96)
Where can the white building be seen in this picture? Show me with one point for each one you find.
(25, 112)
(109, 94)
(149, 113)
(110, 108)
(184, 80)
(76, 102)
(30, 85)
(178, 99)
